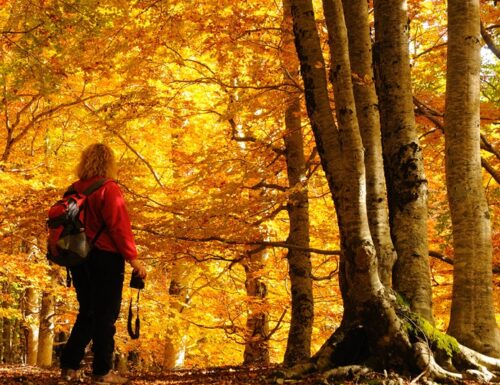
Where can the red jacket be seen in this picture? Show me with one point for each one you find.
(107, 206)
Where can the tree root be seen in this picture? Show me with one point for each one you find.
(404, 343)
(471, 365)
(476, 366)
(426, 362)
(350, 371)
(480, 359)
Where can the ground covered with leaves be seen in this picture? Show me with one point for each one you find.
(27, 375)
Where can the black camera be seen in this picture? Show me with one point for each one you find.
(136, 282)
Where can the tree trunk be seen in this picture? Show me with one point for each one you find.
(406, 183)
(369, 312)
(17, 342)
(7, 341)
(257, 327)
(6, 331)
(31, 325)
(348, 197)
(175, 349)
(360, 56)
(299, 336)
(2, 348)
(472, 319)
(46, 331)
(375, 330)
(350, 202)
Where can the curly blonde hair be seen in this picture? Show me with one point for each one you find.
(97, 159)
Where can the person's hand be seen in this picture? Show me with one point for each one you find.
(139, 268)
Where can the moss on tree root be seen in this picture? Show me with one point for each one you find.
(418, 328)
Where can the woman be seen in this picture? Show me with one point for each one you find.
(99, 280)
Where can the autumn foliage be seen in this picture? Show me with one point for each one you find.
(191, 97)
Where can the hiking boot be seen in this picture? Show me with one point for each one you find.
(110, 379)
(71, 375)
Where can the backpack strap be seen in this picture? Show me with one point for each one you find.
(89, 190)
(71, 190)
(94, 186)
(97, 235)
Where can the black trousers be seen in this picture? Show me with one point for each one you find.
(98, 283)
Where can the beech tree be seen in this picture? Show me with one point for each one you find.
(257, 322)
(299, 336)
(472, 319)
(31, 308)
(178, 290)
(375, 326)
(46, 330)
(175, 349)
(367, 112)
(406, 182)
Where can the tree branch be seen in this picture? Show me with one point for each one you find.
(449, 261)
(433, 115)
(485, 145)
(148, 165)
(488, 167)
(326, 277)
(261, 243)
(20, 32)
(236, 138)
(35, 119)
(276, 328)
(271, 186)
(489, 41)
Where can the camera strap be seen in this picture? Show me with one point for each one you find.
(134, 332)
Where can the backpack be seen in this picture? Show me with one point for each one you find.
(68, 244)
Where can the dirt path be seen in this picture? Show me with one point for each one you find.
(26, 375)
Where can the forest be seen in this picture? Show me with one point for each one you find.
(313, 185)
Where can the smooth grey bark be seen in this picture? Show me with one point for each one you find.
(472, 319)
(348, 135)
(360, 57)
(298, 347)
(406, 182)
(299, 337)
(341, 155)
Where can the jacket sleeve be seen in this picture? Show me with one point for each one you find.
(115, 215)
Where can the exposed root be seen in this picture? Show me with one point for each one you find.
(426, 362)
(474, 364)
(402, 342)
(480, 359)
(351, 371)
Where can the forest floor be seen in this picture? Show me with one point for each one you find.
(236, 375)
